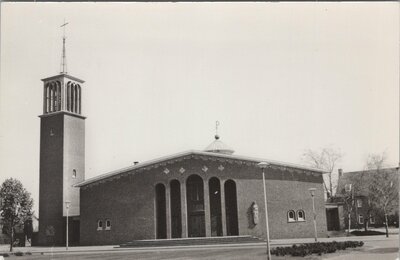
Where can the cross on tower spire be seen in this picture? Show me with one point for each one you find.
(63, 69)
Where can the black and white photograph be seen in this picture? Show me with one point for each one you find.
(199, 130)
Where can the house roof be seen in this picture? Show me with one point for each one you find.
(359, 177)
(193, 153)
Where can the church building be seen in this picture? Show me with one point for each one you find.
(207, 193)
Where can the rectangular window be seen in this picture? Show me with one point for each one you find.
(360, 219)
(372, 220)
(359, 203)
(347, 187)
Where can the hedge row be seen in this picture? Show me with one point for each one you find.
(18, 253)
(315, 248)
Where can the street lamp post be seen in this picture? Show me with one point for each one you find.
(264, 165)
(312, 191)
(67, 203)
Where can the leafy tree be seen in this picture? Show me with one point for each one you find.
(325, 159)
(16, 205)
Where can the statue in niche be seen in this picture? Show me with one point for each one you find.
(254, 212)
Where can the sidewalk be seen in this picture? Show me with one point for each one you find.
(274, 243)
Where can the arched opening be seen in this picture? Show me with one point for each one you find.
(58, 95)
(195, 206)
(52, 97)
(291, 216)
(300, 215)
(72, 97)
(215, 206)
(76, 98)
(79, 99)
(176, 217)
(161, 212)
(232, 228)
(47, 98)
(69, 96)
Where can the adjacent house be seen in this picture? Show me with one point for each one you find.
(354, 192)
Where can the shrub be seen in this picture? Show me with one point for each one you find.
(19, 253)
(366, 233)
(5, 254)
(315, 248)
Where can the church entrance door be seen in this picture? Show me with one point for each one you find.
(196, 226)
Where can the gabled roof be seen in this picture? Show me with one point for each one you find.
(193, 153)
(360, 177)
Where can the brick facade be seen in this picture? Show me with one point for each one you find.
(128, 199)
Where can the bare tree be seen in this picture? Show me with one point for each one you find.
(382, 188)
(325, 159)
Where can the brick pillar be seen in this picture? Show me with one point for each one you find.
(184, 210)
(168, 209)
(223, 212)
(207, 208)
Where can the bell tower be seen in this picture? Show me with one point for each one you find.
(62, 157)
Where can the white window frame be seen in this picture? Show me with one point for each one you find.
(359, 203)
(99, 225)
(108, 227)
(298, 215)
(360, 219)
(289, 219)
(372, 219)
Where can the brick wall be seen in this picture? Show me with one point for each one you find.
(129, 201)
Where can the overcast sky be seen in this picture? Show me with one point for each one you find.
(280, 78)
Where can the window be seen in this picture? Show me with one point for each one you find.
(359, 203)
(347, 187)
(372, 219)
(300, 215)
(196, 193)
(108, 224)
(291, 215)
(360, 219)
(74, 174)
(99, 225)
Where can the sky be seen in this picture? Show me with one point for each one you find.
(279, 77)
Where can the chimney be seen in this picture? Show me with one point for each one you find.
(340, 171)
(136, 162)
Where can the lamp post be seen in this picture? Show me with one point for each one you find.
(312, 191)
(67, 203)
(264, 165)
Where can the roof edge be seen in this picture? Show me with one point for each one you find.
(194, 152)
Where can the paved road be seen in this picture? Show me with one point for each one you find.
(374, 248)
